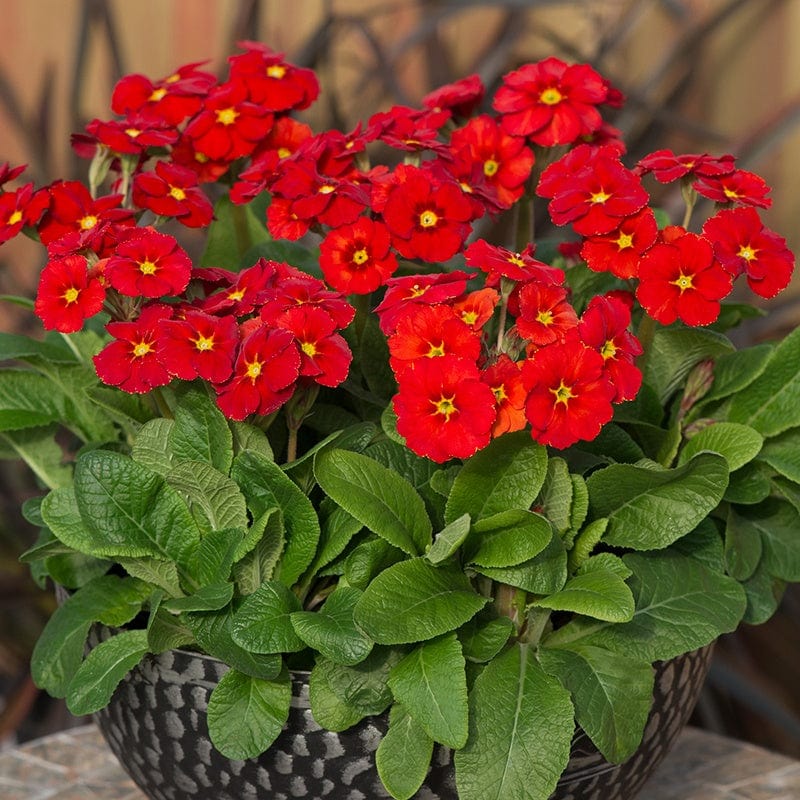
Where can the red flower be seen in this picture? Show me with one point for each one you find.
(266, 368)
(324, 354)
(171, 99)
(505, 161)
(743, 245)
(739, 186)
(199, 346)
(172, 191)
(619, 251)
(132, 135)
(667, 167)
(68, 294)
(604, 327)
(245, 290)
(410, 129)
(544, 314)
(149, 264)
(131, 361)
(476, 308)
(461, 97)
(432, 332)
(427, 219)
(550, 101)
(595, 197)
(20, 208)
(229, 125)
(501, 263)
(504, 378)
(680, 279)
(357, 259)
(443, 408)
(569, 395)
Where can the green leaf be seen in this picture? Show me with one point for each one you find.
(404, 755)
(284, 251)
(521, 726)
(750, 484)
(681, 605)
(507, 538)
(739, 444)
(555, 499)
(265, 486)
(128, 510)
(484, 636)
(338, 529)
(448, 540)
(165, 631)
(743, 546)
(612, 694)
(106, 665)
(151, 448)
(250, 437)
(638, 501)
(214, 557)
(328, 709)
(770, 403)
(412, 601)
(206, 598)
(734, 371)
(782, 453)
(777, 522)
(212, 493)
(506, 474)
(764, 593)
(596, 592)
(543, 574)
(163, 574)
(38, 448)
(431, 684)
(15, 346)
(59, 649)
(381, 500)
(246, 714)
(263, 623)
(373, 355)
(234, 231)
(331, 630)
(201, 432)
(368, 559)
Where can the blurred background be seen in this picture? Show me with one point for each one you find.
(719, 76)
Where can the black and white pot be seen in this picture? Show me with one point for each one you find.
(156, 726)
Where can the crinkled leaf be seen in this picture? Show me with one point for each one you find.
(160, 573)
(368, 559)
(263, 622)
(448, 540)
(506, 474)
(555, 499)
(507, 538)
(404, 755)
(431, 684)
(235, 230)
(207, 598)
(743, 546)
(484, 636)
(328, 709)
(250, 437)
(739, 444)
(750, 484)
(734, 371)
(782, 453)
(543, 574)
(764, 593)
(100, 673)
(201, 432)
(38, 448)
(598, 592)
(521, 726)
(246, 714)
(412, 601)
(214, 557)
(777, 522)
(612, 694)
(151, 448)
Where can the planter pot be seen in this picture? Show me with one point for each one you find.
(156, 726)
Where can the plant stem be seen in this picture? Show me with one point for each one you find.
(510, 602)
(538, 619)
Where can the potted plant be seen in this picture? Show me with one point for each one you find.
(483, 485)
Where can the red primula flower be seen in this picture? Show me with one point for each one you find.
(409, 129)
(443, 408)
(171, 99)
(477, 308)
(264, 375)
(569, 394)
(245, 290)
(619, 251)
(68, 294)
(199, 346)
(428, 219)
(504, 378)
(505, 161)
(133, 135)
(172, 191)
(461, 97)
(544, 315)
(149, 264)
(551, 102)
(680, 279)
(9, 173)
(739, 186)
(604, 327)
(595, 197)
(131, 361)
(667, 167)
(499, 263)
(324, 354)
(208, 170)
(743, 245)
(229, 125)
(357, 259)
(432, 332)
(20, 208)
(271, 81)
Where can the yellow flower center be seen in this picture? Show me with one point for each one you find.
(174, 78)
(470, 317)
(624, 241)
(490, 167)
(551, 96)
(147, 267)
(360, 257)
(731, 194)
(227, 116)
(746, 252)
(142, 349)
(516, 261)
(500, 393)
(545, 317)
(600, 197)
(253, 370)
(236, 295)
(563, 394)
(418, 291)
(284, 152)
(445, 406)
(204, 343)
(157, 94)
(608, 350)
(308, 348)
(133, 132)
(177, 193)
(436, 350)
(200, 158)
(683, 282)
(15, 217)
(276, 71)
(71, 295)
(326, 189)
(428, 219)
(88, 222)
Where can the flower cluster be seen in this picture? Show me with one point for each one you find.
(482, 338)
